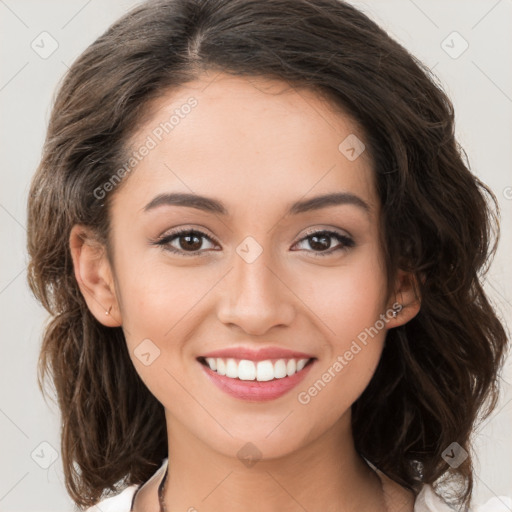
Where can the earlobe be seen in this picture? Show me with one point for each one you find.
(94, 275)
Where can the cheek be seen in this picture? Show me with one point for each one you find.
(346, 299)
(351, 356)
(161, 310)
(157, 297)
(348, 302)
(158, 311)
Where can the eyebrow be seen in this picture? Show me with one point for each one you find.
(211, 205)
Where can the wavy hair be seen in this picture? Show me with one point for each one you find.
(438, 373)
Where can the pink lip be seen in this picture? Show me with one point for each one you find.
(257, 355)
(253, 390)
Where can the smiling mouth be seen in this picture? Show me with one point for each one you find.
(260, 371)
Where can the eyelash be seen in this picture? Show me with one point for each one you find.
(165, 241)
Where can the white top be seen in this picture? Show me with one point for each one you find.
(426, 501)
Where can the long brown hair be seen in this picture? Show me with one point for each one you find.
(437, 374)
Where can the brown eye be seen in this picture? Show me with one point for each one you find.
(320, 242)
(184, 241)
(190, 242)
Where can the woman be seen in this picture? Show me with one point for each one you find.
(263, 254)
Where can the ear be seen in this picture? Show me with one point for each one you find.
(94, 275)
(406, 300)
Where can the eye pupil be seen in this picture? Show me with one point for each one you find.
(320, 245)
(193, 242)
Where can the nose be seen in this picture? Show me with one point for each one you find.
(255, 296)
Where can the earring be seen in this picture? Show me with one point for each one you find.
(396, 310)
(109, 310)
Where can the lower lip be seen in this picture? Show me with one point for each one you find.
(254, 390)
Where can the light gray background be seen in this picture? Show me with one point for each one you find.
(479, 82)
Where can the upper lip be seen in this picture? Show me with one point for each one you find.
(257, 354)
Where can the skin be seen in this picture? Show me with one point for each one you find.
(257, 145)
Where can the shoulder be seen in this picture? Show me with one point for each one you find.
(428, 501)
(400, 499)
(120, 503)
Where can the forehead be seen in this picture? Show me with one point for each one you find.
(247, 137)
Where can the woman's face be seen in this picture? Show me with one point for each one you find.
(259, 271)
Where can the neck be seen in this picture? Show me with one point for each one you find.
(324, 474)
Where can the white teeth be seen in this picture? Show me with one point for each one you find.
(231, 368)
(301, 364)
(261, 371)
(246, 370)
(280, 369)
(291, 367)
(221, 367)
(212, 362)
(264, 371)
